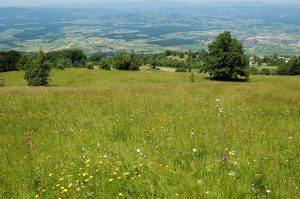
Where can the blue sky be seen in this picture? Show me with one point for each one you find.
(40, 2)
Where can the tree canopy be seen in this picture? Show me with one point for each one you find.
(226, 59)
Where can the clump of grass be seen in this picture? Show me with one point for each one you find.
(192, 77)
(1, 82)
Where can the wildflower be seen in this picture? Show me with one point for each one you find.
(126, 174)
(138, 150)
(37, 196)
(70, 185)
(64, 190)
(268, 191)
(224, 158)
(78, 189)
(84, 174)
(194, 150)
(50, 174)
(192, 133)
(221, 110)
(91, 177)
(218, 100)
(232, 152)
(61, 179)
(110, 180)
(119, 177)
(232, 173)
(120, 195)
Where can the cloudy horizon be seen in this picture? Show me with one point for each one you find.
(61, 2)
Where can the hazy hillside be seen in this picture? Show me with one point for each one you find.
(261, 27)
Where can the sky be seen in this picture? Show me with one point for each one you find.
(57, 2)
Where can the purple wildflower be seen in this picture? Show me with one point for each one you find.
(224, 158)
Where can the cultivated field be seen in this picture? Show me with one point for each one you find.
(110, 134)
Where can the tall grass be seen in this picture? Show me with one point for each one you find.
(110, 134)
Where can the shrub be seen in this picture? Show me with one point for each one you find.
(89, 65)
(181, 69)
(126, 61)
(192, 77)
(254, 71)
(38, 73)
(105, 63)
(265, 71)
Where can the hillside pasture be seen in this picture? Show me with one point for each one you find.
(114, 134)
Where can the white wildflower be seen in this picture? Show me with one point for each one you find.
(232, 173)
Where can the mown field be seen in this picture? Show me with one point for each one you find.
(111, 134)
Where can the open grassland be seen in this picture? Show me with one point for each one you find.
(110, 134)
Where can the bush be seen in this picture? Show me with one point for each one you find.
(105, 63)
(89, 65)
(181, 69)
(265, 71)
(126, 61)
(192, 77)
(38, 73)
(254, 71)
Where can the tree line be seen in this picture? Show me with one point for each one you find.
(225, 60)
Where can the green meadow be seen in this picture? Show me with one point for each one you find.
(114, 134)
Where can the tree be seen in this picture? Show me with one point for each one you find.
(9, 60)
(126, 61)
(290, 68)
(96, 57)
(38, 73)
(76, 57)
(294, 66)
(226, 59)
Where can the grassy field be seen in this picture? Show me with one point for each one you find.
(112, 134)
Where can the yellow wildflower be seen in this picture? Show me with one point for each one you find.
(64, 190)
